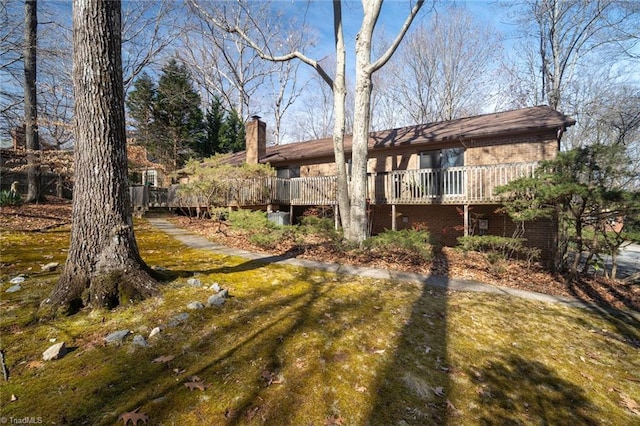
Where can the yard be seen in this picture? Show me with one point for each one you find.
(298, 346)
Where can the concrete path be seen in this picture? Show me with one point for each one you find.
(195, 241)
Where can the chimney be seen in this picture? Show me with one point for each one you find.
(256, 140)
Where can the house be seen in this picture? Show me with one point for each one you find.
(436, 176)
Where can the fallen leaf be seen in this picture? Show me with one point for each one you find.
(35, 364)
(134, 417)
(196, 385)
(13, 398)
(586, 376)
(335, 420)
(163, 359)
(630, 404)
(439, 391)
(360, 388)
(427, 349)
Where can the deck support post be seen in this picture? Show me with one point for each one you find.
(336, 217)
(394, 225)
(466, 220)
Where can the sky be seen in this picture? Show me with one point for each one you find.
(393, 15)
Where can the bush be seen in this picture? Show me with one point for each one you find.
(8, 198)
(407, 243)
(249, 220)
(271, 238)
(498, 247)
(323, 227)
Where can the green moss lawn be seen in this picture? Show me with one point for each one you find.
(300, 347)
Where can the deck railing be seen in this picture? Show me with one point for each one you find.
(454, 185)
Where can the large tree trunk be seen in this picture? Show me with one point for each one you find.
(103, 267)
(361, 123)
(339, 89)
(30, 100)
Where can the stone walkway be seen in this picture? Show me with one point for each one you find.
(196, 241)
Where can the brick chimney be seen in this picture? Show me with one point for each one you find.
(256, 140)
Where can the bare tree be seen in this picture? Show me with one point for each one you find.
(365, 68)
(225, 65)
(148, 28)
(103, 267)
(30, 100)
(569, 32)
(443, 69)
(337, 84)
(11, 72)
(352, 206)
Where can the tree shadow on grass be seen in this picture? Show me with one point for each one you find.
(413, 387)
(515, 390)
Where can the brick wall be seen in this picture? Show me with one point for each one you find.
(445, 224)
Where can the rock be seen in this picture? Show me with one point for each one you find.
(50, 267)
(56, 351)
(224, 293)
(14, 288)
(194, 282)
(117, 336)
(17, 280)
(178, 319)
(215, 287)
(138, 340)
(195, 305)
(215, 300)
(154, 332)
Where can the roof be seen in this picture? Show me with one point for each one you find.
(516, 122)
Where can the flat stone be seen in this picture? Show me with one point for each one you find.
(50, 267)
(195, 305)
(194, 282)
(215, 300)
(14, 288)
(154, 332)
(17, 280)
(138, 340)
(215, 287)
(117, 336)
(56, 351)
(178, 319)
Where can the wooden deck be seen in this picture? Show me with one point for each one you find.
(456, 185)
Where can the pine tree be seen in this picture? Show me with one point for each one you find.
(213, 123)
(177, 114)
(140, 103)
(232, 133)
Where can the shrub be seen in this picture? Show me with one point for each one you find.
(8, 198)
(323, 227)
(271, 238)
(407, 243)
(249, 220)
(498, 248)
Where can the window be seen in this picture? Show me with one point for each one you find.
(150, 178)
(438, 178)
(288, 172)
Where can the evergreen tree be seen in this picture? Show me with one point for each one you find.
(140, 103)
(232, 133)
(213, 123)
(177, 114)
